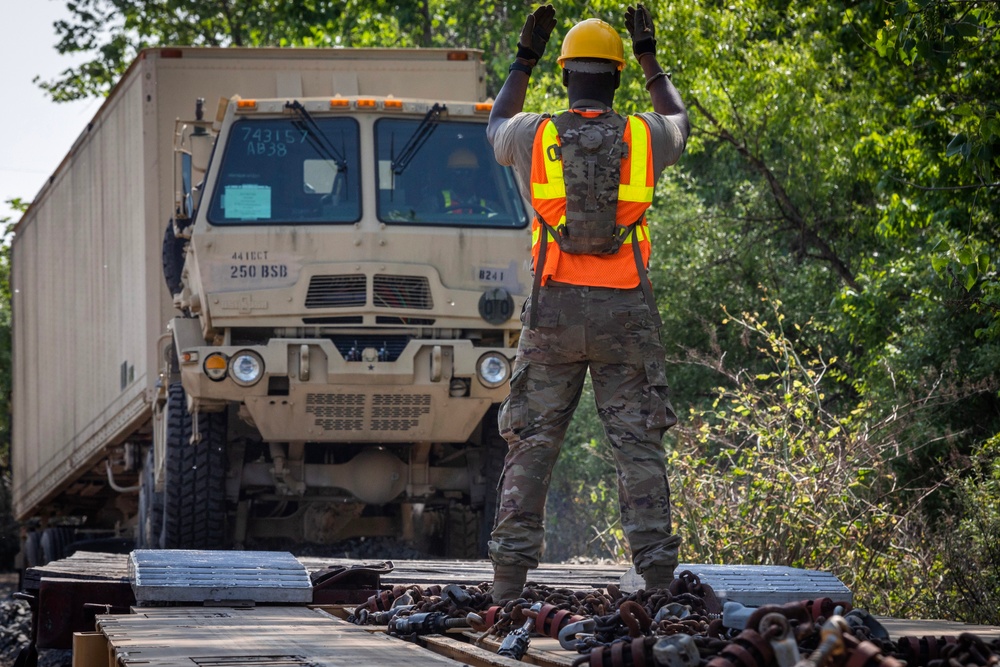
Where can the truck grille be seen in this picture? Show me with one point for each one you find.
(386, 412)
(389, 291)
(395, 412)
(337, 412)
(388, 347)
(402, 292)
(337, 291)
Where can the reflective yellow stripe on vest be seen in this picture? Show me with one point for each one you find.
(446, 195)
(555, 188)
(536, 231)
(636, 190)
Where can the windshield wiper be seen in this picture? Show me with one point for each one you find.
(419, 138)
(316, 136)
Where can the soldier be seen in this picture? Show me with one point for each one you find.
(460, 192)
(589, 174)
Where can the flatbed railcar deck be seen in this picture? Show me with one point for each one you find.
(138, 626)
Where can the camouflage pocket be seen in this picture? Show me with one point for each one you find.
(514, 409)
(547, 315)
(633, 319)
(660, 410)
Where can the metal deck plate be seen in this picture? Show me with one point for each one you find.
(757, 585)
(182, 575)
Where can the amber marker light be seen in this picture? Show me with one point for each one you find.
(339, 104)
(483, 107)
(458, 55)
(216, 366)
(188, 357)
(246, 105)
(394, 104)
(366, 104)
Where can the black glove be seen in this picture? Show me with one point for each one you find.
(535, 34)
(639, 24)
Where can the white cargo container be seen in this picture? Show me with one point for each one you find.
(93, 319)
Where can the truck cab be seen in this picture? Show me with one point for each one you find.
(347, 273)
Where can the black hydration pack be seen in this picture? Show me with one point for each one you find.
(592, 150)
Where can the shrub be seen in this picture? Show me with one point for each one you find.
(971, 540)
(775, 472)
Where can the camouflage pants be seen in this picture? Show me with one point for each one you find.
(610, 332)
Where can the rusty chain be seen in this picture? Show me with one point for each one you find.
(676, 627)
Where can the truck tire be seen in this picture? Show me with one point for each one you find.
(32, 549)
(54, 542)
(173, 259)
(495, 451)
(194, 499)
(462, 532)
(149, 523)
(467, 528)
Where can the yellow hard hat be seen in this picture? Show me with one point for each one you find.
(463, 158)
(592, 38)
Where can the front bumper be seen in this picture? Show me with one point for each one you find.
(308, 392)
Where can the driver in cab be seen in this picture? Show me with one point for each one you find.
(460, 186)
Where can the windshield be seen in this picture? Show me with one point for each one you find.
(289, 171)
(436, 172)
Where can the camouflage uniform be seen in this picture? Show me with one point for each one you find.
(611, 332)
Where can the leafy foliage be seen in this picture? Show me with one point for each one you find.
(770, 474)
(114, 31)
(972, 551)
(6, 369)
(8, 541)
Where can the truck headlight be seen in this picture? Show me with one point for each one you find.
(246, 368)
(215, 366)
(493, 369)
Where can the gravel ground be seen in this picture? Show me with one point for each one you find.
(15, 628)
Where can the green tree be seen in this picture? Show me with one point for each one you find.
(114, 31)
(6, 369)
(792, 181)
(8, 542)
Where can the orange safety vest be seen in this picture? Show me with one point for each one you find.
(548, 197)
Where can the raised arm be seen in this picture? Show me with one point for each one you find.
(665, 98)
(530, 47)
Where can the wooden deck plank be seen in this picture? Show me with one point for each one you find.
(257, 636)
(542, 651)
(899, 627)
(479, 656)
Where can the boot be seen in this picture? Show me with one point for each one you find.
(508, 582)
(658, 576)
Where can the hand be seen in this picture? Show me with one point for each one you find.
(639, 24)
(535, 34)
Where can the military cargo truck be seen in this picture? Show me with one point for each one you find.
(269, 295)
